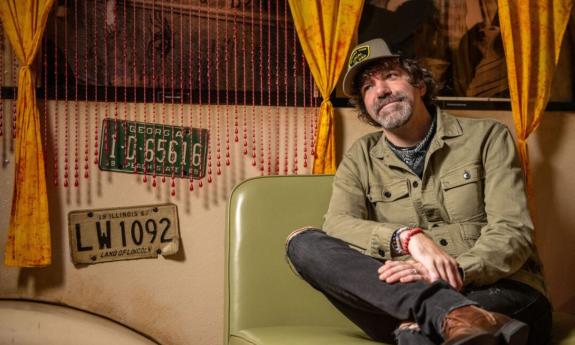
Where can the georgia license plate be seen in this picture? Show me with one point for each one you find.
(123, 233)
(151, 148)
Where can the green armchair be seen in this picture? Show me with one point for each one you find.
(265, 302)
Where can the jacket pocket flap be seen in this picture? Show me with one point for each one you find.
(388, 192)
(462, 176)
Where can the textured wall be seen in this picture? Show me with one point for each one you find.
(180, 300)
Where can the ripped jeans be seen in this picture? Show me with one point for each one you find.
(350, 281)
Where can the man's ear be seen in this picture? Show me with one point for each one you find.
(422, 88)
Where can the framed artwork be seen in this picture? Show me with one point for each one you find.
(460, 43)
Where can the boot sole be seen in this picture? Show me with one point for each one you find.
(514, 333)
(482, 338)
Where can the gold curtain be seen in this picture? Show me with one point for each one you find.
(532, 32)
(29, 232)
(325, 29)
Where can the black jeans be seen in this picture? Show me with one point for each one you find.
(350, 281)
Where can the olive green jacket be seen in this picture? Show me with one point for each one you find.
(470, 200)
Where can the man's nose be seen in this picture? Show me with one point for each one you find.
(382, 89)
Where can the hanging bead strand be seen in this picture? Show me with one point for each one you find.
(86, 114)
(125, 83)
(154, 84)
(173, 108)
(270, 124)
(295, 100)
(313, 108)
(244, 75)
(145, 106)
(261, 115)
(96, 109)
(190, 112)
(304, 104)
(183, 127)
(115, 136)
(106, 128)
(135, 88)
(227, 63)
(286, 100)
(76, 103)
(277, 85)
(66, 112)
(164, 111)
(200, 117)
(55, 172)
(253, 74)
(218, 127)
(261, 55)
(236, 110)
(209, 89)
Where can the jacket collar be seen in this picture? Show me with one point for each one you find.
(447, 127)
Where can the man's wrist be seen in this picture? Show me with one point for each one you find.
(407, 238)
(395, 242)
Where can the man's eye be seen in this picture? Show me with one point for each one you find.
(392, 75)
(365, 88)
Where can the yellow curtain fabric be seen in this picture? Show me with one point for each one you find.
(532, 32)
(326, 29)
(29, 232)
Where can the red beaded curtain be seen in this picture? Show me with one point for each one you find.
(189, 75)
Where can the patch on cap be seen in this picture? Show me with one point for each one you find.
(358, 55)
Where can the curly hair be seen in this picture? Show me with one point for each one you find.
(417, 75)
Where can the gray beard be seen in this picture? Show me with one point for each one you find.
(395, 118)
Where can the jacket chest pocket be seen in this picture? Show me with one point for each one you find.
(391, 202)
(463, 193)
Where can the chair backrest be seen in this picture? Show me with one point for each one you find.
(261, 289)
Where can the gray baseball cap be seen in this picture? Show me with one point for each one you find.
(360, 55)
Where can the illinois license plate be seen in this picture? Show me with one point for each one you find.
(148, 148)
(123, 233)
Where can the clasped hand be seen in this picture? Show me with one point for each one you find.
(429, 264)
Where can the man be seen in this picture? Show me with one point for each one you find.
(427, 238)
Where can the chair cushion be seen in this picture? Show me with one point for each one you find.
(300, 335)
(563, 334)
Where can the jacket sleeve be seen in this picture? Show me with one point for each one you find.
(349, 217)
(506, 241)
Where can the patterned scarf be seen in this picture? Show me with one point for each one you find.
(414, 156)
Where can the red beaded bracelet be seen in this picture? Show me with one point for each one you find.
(408, 236)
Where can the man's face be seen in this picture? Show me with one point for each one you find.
(389, 97)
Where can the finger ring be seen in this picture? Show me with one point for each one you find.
(414, 271)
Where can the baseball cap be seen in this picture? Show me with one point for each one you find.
(360, 55)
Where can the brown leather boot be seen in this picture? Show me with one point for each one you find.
(466, 324)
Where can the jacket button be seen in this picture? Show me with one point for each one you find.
(381, 252)
(387, 194)
(466, 175)
(443, 242)
(415, 184)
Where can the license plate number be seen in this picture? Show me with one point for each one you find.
(148, 148)
(123, 233)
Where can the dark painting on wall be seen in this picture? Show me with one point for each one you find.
(459, 41)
